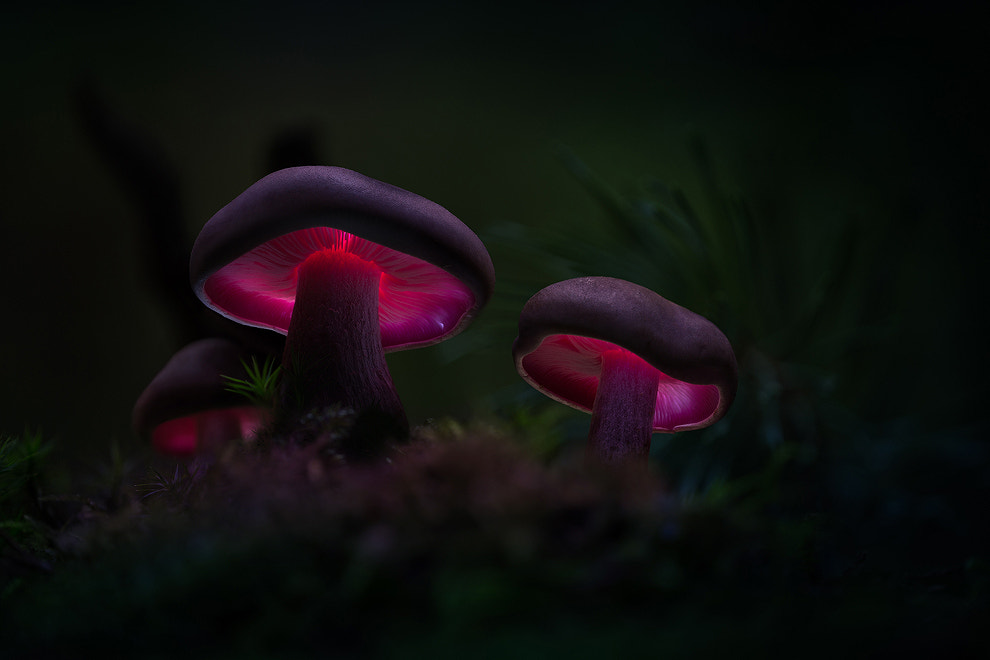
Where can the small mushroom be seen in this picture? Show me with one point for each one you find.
(348, 268)
(638, 362)
(187, 408)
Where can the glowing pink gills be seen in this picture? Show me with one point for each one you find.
(570, 367)
(418, 302)
(186, 436)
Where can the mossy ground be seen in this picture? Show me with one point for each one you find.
(462, 542)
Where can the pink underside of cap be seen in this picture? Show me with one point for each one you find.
(419, 302)
(567, 368)
(184, 436)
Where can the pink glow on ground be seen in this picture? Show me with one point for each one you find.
(567, 368)
(184, 436)
(419, 302)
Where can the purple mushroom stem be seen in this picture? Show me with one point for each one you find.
(333, 352)
(622, 416)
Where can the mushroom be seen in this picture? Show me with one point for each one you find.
(187, 408)
(348, 268)
(638, 362)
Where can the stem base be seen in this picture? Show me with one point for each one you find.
(333, 351)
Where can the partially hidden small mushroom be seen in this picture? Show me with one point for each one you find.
(187, 409)
(638, 362)
(348, 268)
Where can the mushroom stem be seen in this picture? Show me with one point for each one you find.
(622, 417)
(333, 348)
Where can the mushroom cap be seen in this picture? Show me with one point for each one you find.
(565, 328)
(187, 391)
(436, 271)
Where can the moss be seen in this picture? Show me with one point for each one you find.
(461, 542)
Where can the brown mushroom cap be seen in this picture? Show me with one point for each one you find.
(302, 198)
(681, 344)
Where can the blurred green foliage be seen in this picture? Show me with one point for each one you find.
(21, 461)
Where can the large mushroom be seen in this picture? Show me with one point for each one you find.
(638, 362)
(187, 407)
(348, 268)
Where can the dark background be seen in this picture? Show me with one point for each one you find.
(848, 110)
